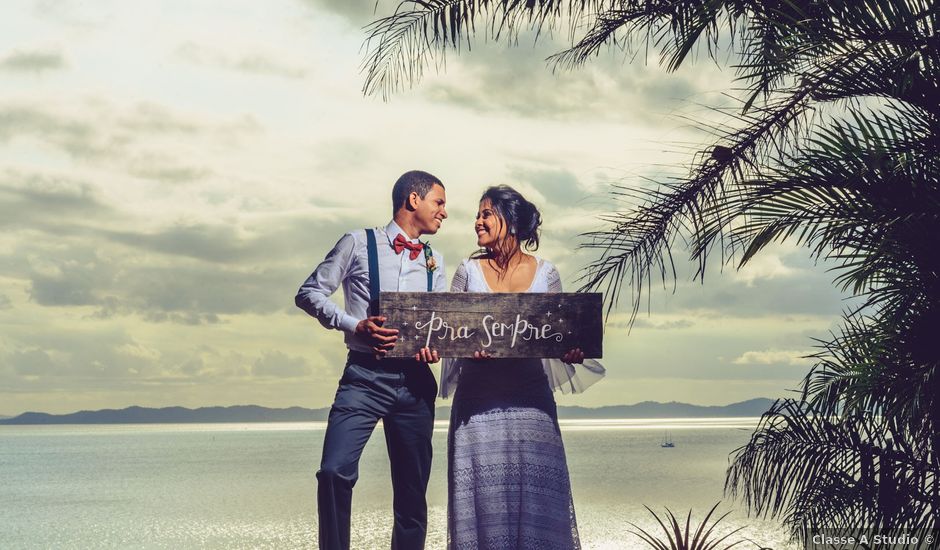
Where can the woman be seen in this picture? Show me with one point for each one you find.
(508, 484)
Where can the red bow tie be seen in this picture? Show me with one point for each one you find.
(400, 243)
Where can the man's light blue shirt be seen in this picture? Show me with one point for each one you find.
(348, 265)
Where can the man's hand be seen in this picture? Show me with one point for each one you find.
(427, 355)
(382, 339)
(573, 356)
(481, 355)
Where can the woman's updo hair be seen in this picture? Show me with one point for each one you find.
(521, 217)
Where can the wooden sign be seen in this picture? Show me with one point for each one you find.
(503, 324)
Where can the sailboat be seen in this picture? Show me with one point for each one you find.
(667, 441)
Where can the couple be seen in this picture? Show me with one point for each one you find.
(507, 478)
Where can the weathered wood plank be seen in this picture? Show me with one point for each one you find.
(503, 324)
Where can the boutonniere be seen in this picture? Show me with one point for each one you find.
(429, 260)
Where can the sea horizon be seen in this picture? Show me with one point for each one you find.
(257, 413)
(566, 424)
(225, 485)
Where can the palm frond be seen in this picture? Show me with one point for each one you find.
(401, 46)
(842, 471)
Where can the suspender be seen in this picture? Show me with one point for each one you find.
(374, 273)
(430, 277)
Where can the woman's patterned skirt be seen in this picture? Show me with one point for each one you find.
(508, 484)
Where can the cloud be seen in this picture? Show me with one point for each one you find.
(72, 249)
(254, 63)
(37, 200)
(72, 259)
(494, 78)
(95, 358)
(165, 168)
(150, 250)
(209, 242)
(356, 14)
(184, 318)
(187, 292)
(32, 61)
(74, 284)
(558, 186)
(200, 291)
(788, 283)
(340, 154)
(184, 274)
(96, 130)
(148, 118)
(108, 358)
(645, 323)
(764, 266)
(73, 136)
(272, 240)
(82, 15)
(774, 357)
(33, 362)
(192, 366)
(276, 364)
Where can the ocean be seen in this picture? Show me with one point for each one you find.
(253, 486)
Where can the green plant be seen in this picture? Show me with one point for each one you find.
(675, 537)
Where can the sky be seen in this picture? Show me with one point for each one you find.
(172, 171)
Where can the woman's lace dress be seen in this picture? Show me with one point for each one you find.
(508, 485)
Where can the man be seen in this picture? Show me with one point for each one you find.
(399, 391)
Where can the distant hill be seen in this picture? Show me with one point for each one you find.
(253, 413)
(673, 409)
(174, 415)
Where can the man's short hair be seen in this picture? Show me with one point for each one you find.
(414, 181)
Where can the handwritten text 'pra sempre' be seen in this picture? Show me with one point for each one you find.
(439, 328)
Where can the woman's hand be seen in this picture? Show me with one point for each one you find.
(481, 355)
(427, 355)
(574, 356)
